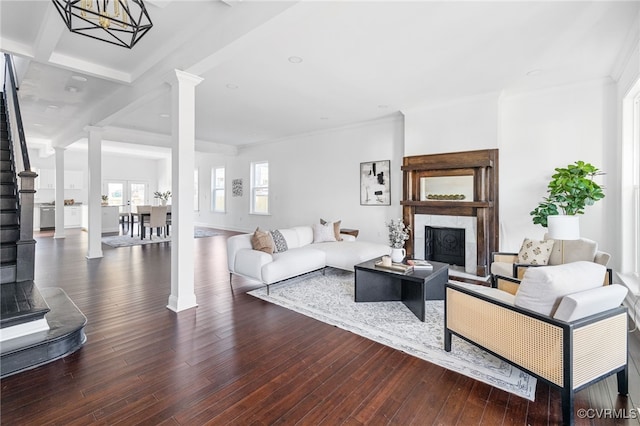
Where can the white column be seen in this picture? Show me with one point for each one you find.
(59, 198)
(95, 188)
(182, 163)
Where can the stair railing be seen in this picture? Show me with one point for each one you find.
(25, 262)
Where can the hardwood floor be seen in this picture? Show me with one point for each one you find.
(236, 359)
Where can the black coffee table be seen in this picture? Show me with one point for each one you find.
(374, 284)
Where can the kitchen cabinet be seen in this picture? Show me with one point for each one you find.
(110, 218)
(46, 179)
(72, 216)
(73, 179)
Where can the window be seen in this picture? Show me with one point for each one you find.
(260, 188)
(196, 197)
(217, 191)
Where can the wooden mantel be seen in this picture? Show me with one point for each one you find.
(483, 166)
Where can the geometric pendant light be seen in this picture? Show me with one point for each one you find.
(119, 22)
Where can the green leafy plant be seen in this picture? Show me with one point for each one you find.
(105, 198)
(162, 195)
(570, 190)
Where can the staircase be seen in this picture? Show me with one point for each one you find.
(36, 325)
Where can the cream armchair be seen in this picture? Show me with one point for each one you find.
(562, 326)
(507, 265)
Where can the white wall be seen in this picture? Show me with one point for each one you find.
(535, 132)
(311, 177)
(459, 125)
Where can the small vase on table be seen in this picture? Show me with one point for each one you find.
(398, 254)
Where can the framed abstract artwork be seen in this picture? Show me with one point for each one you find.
(236, 187)
(375, 188)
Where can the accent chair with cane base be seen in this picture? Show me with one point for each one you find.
(511, 265)
(562, 326)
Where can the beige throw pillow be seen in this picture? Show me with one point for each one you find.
(261, 240)
(535, 252)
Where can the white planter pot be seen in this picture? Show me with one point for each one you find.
(563, 227)
(398, 254)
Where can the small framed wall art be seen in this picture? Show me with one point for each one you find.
(375, 188)
(236, 187)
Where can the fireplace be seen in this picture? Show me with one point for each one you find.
(444, 245)
(462, 189)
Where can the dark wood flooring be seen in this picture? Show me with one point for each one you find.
(236, 359)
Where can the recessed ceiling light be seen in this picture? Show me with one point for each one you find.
(164, 115)
(52, 106)
(37, 125)
(295, 59)
(79, 78)
(232, 86)
(72, 89)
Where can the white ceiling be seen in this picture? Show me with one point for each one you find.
(361, 60)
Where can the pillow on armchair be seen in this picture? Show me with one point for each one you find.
(535, 252)
(541, 289)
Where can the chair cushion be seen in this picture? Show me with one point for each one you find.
(585, 303)
(542, 288)
(574, 251)
(535, 252)
(502, 268)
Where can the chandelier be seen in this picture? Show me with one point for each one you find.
(119, 22)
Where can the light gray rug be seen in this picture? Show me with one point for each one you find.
(128, 241)
(330, 299)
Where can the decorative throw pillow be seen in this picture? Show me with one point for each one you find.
(336, 228)
(261, 240)
(323, 233)
(535, 252)
(279, 243)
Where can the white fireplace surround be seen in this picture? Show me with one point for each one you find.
(468, 223)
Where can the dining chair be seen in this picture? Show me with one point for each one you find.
(157, 219)
(144, 208)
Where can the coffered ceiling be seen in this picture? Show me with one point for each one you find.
(276, 69)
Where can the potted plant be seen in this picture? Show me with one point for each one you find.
(162, 196)
(570, 190)
(105, 200)
(398, 234)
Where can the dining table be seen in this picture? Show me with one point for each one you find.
(141, 217)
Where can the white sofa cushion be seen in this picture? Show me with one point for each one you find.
(291, 263)
(305, 235)
(346, 254)
(542, 287)
(589, 302)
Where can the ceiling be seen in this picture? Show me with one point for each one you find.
(277, 69)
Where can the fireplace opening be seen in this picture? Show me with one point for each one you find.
(444, 245)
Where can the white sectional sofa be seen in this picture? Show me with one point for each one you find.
(302, 255)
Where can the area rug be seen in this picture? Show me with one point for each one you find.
(330, 298)
(128, 241)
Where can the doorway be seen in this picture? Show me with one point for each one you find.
(127, 194)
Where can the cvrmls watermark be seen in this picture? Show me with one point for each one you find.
(608, 413)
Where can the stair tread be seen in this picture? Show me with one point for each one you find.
(65, 336)
(21, 302)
